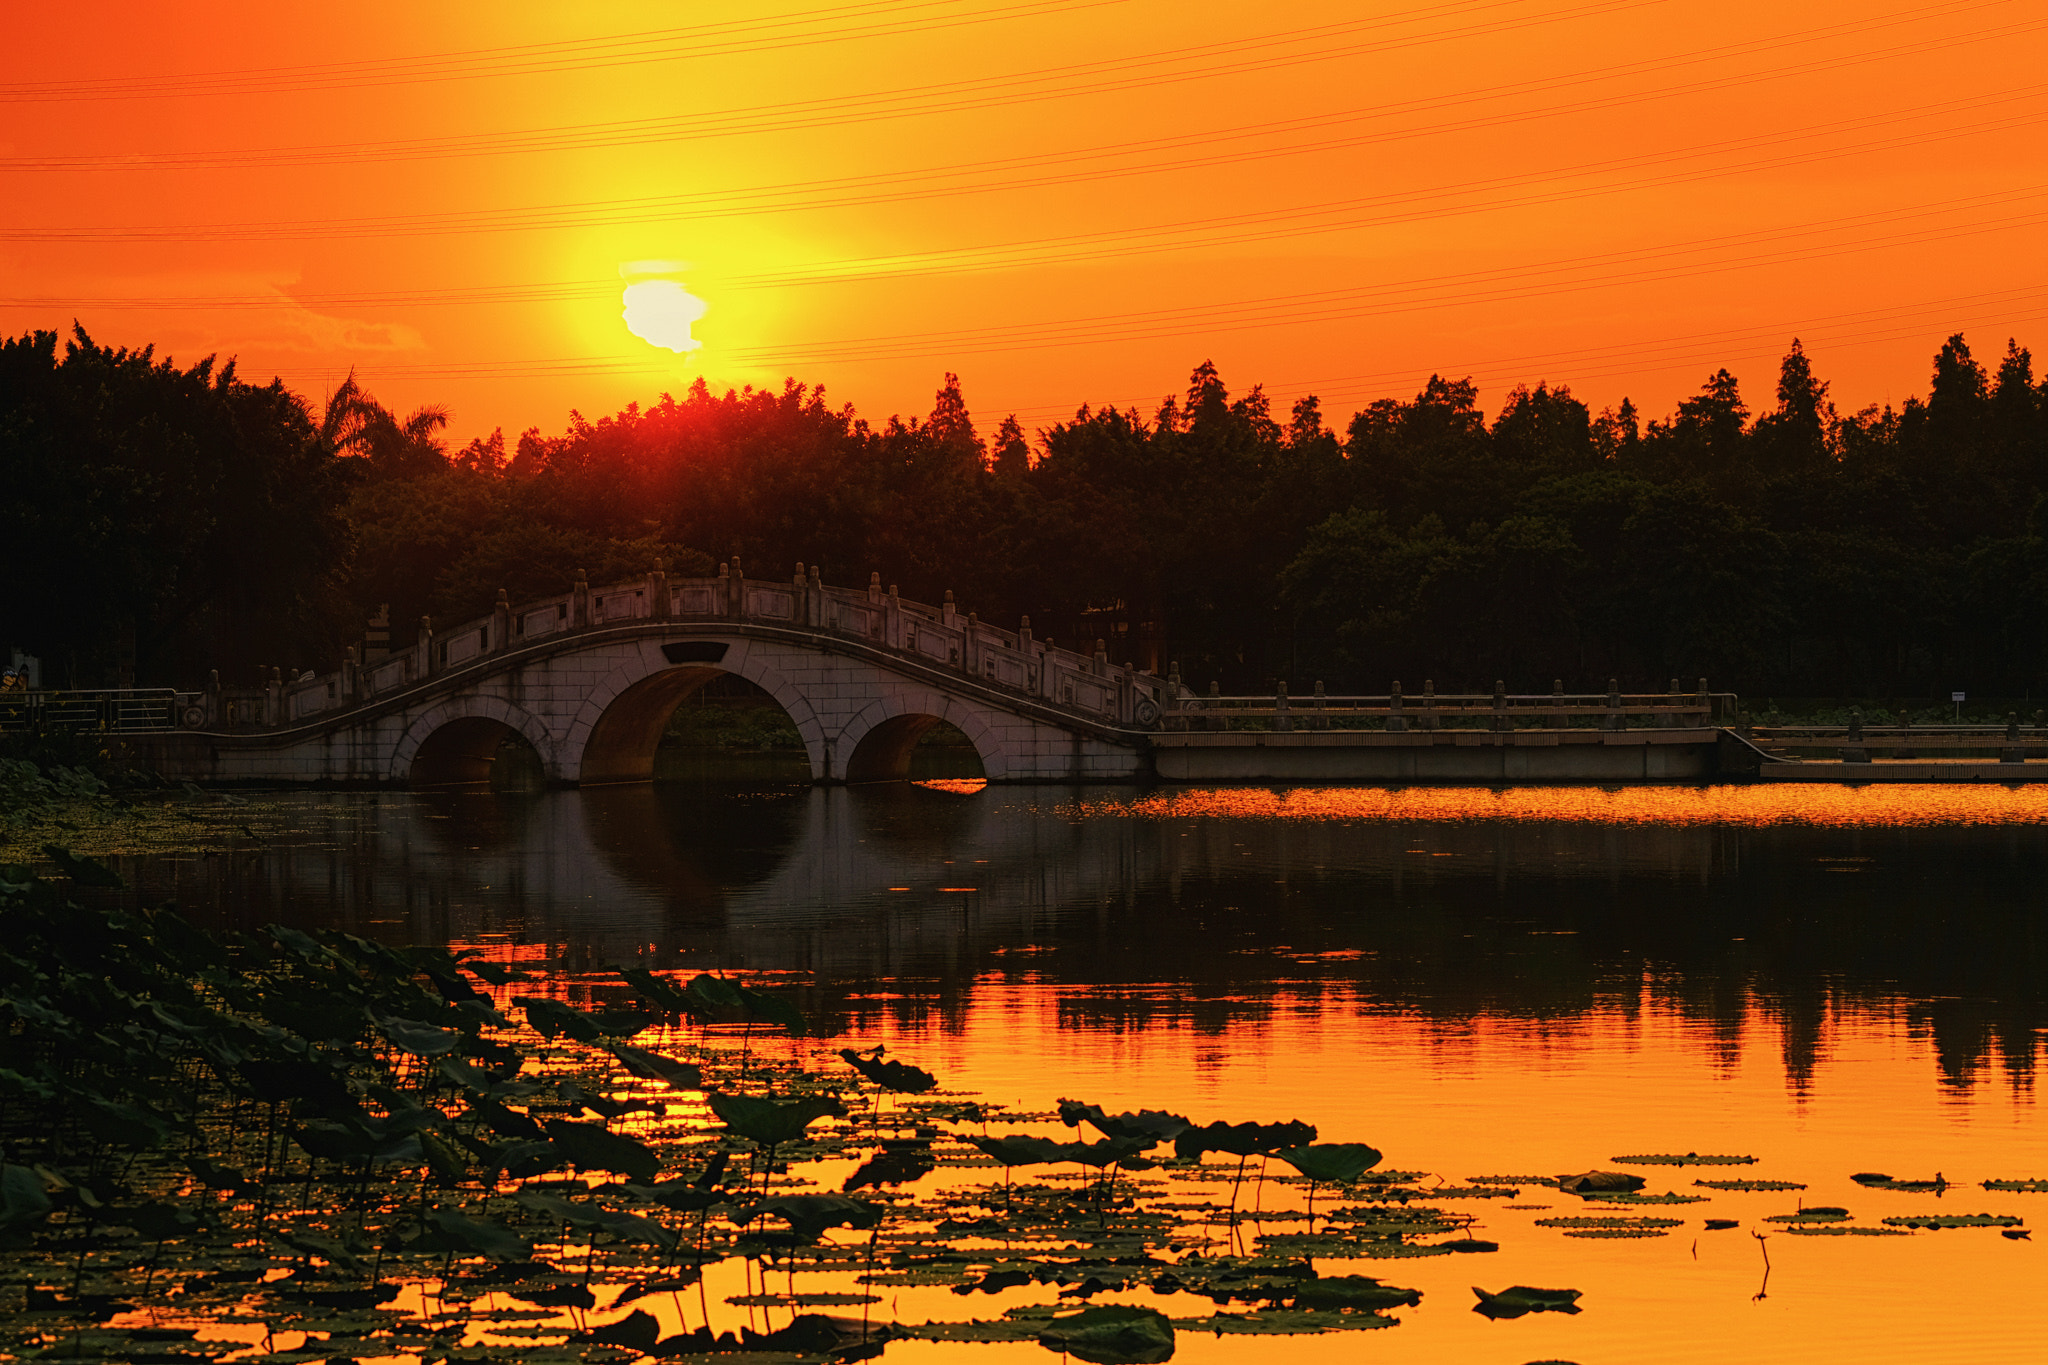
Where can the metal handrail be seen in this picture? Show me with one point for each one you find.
(115, 710)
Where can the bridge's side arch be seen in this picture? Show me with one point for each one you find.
(876, 743)
(456, 742)
(619, 725)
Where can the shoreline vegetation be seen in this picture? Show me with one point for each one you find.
(164, 521)
(299, 1147)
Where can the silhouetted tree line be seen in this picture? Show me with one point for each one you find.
(172, 520)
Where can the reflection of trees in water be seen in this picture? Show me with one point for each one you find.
(1726, 929)
(1200, 924)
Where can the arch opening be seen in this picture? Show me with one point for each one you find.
(914, 748)
(476, 751)
(729, 730)
(690, 723)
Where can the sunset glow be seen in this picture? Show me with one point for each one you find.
(1064, 202)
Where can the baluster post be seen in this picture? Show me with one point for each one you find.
(1853, 751)
(1396, 722)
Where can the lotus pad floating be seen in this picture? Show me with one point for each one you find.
(1588, 1221)
(1112, 1335)
(2018, 1186)
(1602, 1198)
(1821, 1214)
(1955, 1220)
(1601, 1182)
(1841, 1230)
(1688, 1159)
(1353, 1292)
(1750, 1185)
(1284, 1322)
(1522, 1299)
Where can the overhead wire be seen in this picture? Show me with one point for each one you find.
(1009, 90)
(679, 208)
(1436, 203)
(575, 54)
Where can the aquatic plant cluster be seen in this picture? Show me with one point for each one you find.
(288, 1147)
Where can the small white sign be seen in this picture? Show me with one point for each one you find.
(1956, 696)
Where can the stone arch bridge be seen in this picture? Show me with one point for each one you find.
(590, 679)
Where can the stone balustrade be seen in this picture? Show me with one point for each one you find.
(936, 637)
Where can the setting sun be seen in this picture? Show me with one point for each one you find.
(660, 313)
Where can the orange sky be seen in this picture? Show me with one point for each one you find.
(1063, 200)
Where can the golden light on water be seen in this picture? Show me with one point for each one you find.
(661, 313)
(1764, 803)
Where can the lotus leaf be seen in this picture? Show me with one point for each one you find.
(1955, 1220)
(809, 1215)
(898, 1167)
(1155, 1124)
(1521, 1299)
(659, 993)
(1601, 1182)
(1749, 1185)
(772, 1122)
(458, 1232)
(1243, 1139)
(594, 1147)
(1283, 1322)
(1337, 1162)
(1112, 1335)
(2018, 1186)
(773, 1009)
(553, 1019)
(652, 1066)
(711, 992)
(1687, 1159)
(1000, 1329)
(1360, 1292)
(1584, 1221)
(424, 1040)
(900, 1077)
(1818, 1214)
(84, 871)
(637, 1331)
(23, 1200)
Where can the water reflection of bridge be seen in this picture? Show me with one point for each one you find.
(1172, 912)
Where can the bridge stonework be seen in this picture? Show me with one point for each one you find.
(591, 679)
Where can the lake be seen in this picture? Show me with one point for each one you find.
(1832, 980)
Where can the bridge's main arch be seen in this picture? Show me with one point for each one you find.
(619, 725)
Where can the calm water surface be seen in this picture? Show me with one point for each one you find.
(1477, 982)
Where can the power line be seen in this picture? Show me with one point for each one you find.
(1010, 89)
(1235, 229)
(577, 54)
(689, 208)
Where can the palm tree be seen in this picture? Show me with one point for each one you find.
(356, 424)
